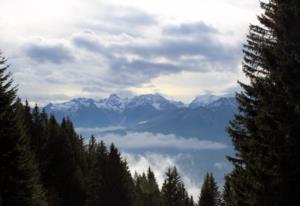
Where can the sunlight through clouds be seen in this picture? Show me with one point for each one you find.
(122, 45)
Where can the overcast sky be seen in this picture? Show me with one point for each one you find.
(61, 49)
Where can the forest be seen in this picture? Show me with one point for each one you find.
(43, 161)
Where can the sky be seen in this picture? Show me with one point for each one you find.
(62, 49)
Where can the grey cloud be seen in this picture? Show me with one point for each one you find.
(198, 28)
(201, 54)
(124, 73)
(44, 99)
(212, 50)
(42, 52)
(86, 40)
(130, 16)
(124, 61)
(118, 19)
(94, 88)
(143, 67)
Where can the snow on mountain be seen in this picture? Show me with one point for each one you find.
(178, 104)
(155, 100)
(204, 117)
(71, 106)
(203, 100)
(113, 102)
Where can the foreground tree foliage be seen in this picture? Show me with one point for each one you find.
(266, 130)
(19, 174)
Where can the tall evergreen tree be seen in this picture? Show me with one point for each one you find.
(39, 136)
(228, 195)
(19, 175)
(147, 190)
(119, 184)
(209, 195)
(96, 180)
(173, 192)
(63, 175)
(266, 130)
(153, 193)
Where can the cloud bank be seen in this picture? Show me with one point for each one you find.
(147, 140)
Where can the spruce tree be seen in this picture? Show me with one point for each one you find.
(209, 195)
(266, 130)
(153, 193)
(19, 175)
(96, 179)
(119, 184)
(173, 192)
(228, 195)
(146, 190)
(39, 135)
(63, 174)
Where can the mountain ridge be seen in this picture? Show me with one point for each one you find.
(151, 113)
(115, 101)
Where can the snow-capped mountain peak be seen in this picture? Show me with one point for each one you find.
(155, 100)
(71, 106)
(113, 102)
(203, 100)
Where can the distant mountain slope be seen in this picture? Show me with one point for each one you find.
(206, 117)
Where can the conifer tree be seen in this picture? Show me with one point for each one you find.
(39, 135)
(266, 130)
(19, 175)
(63, 175)
(173, 192)
(228, 195)
(209, 195)
(146, 190)
(119, 184)
(153, 193)
(96, 179)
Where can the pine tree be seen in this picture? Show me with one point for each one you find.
(96, 179)
(146, 190)
(63, 168)
(119, 184)
(228, 195)
(266, 130)
(173, 192)
(38, 135)
(140, 183)
(153, 193)
(19, 175)
(209, 195)
(73, 193)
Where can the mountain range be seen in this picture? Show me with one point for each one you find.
(206, 117)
